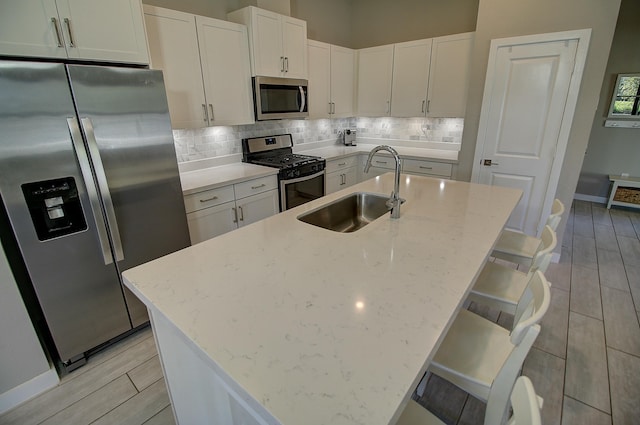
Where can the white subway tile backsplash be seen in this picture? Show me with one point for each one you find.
(211, 142)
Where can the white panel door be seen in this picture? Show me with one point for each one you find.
(256, 207)
(525, 96)
(410, 78)
(224, 54)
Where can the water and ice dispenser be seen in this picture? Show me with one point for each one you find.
(54, 206)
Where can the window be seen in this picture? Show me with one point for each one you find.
(625, 102)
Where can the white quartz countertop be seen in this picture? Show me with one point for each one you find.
(340, 151)
(210, 178)
(321, 327)
(207, 178)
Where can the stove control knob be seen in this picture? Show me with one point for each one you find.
(297, 173)
(314, 167)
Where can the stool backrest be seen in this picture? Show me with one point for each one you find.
(542, 258)
(532, 306)
(557, 209)
(525, 403)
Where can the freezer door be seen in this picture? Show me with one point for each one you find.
(125, 119)
(52, 209)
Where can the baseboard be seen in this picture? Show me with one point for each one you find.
(590, 198)
(28, 390)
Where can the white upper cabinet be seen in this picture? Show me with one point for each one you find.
(278, 43)
(331, 80)
(94, 30)
(343, 66)
(205, 63)
(449, 76)
(319, 56)
(375, 69)
(410, 78)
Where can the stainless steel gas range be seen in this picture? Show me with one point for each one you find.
(301, 177)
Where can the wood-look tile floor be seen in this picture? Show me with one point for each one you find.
(122, 384)
(585, 362)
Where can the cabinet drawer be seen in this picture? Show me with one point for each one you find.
(381, 161)
(252, 187)
(208, 198)
(427, 167)
(340, 164)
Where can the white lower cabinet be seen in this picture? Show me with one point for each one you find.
(214, 212)
(341, 173)
(380, 164)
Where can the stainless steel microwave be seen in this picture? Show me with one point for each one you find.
(280, 98)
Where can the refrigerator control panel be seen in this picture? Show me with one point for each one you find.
(54, 207)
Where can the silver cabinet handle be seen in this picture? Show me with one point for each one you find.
(204, 113)
(213, 198)
(426, 168)
(281, 63)
(388, 106)
(103, 187)
(286, 64)
(68, 24)
(258, 187)
(241, 214)
(94, 201)
(334, 107)
(211, 109)
(423, 105)
(56, 27)
(381, 162)
(428, 105)
(235, 214)
(342, 164)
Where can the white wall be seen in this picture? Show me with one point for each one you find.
(24, 369)
(614, 150)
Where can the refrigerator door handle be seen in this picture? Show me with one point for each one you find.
(85, 168)
(103, 187)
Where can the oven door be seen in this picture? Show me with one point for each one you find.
(298, 191)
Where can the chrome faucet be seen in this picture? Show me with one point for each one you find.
(395, 200)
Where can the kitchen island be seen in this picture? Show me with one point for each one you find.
(282, 322)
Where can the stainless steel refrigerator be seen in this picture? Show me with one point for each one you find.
(90, 187)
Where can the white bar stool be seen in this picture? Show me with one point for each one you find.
(524, 401)
(502, 287)
(520, 248)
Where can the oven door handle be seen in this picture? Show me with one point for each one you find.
(300, 179)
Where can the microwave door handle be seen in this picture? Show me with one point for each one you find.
(303, 99)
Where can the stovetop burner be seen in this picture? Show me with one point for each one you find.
(277, 151)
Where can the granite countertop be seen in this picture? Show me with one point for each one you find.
(320, 327)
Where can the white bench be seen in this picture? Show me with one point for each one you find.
(621, 187)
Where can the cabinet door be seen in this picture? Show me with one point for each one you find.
(224, 55)
(257, 207)
(319, 57)
(210, 222)
(410, 78)
(350, 176)
(173, 45)
(375, 67)
(268, 59)
(343, 64)
(333, 182)
(449, 76)
(28, 28)
(294, 47)
(104, 30)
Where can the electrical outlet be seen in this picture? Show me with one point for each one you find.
(624, 174)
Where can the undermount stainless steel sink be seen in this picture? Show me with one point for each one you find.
(349, 213)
